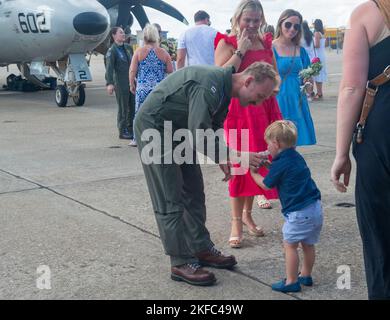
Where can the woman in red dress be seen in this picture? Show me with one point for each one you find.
(244, 46)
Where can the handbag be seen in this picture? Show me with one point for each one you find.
(371, 91)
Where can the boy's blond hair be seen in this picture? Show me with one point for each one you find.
(283, 131)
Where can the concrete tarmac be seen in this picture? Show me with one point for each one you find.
(76, 220)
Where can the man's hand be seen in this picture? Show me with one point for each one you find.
(110, 89)
(226, 170)
(255, 160)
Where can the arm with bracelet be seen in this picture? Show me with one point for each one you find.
(231, 50)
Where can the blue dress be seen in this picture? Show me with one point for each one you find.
(151, 71)
(292, 103)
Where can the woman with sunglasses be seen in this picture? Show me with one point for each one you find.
(291, 58)
(244, 46)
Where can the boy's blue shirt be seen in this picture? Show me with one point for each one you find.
(291, 176)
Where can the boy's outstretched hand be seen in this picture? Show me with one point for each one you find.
(266, 163)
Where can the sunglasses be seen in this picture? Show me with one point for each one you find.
(288, 25)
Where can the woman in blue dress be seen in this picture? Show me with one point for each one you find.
(148, 68)
(291, 58)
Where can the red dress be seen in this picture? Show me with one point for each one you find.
(254, 118)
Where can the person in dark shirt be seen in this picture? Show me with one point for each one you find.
(118, 60)
(300, 200)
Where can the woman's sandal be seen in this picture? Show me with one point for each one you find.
(257, 231)
(235, 241)
(263, 203)
(318, 97)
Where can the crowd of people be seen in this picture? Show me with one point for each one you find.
(249, 81)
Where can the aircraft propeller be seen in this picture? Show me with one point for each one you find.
(127, 8)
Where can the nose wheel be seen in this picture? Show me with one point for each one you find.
(79, 97)
(61, 96)
(63, 92)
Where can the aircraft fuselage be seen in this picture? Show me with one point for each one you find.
(48, 30)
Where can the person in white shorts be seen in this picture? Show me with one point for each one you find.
(300, 200)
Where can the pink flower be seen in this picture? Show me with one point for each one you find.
(315, 60)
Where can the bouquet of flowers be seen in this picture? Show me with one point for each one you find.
(312, 70)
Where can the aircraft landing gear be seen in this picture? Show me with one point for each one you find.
(72, 71)
(61, 96)
(76, 92)
(79, 98)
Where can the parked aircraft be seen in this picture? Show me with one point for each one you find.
(41, 34)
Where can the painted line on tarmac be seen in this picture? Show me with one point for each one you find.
(125, 222)
(19, 191)
(263, 283)
(81, 203)
(137, 176)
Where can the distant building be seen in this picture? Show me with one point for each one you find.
(334, 37)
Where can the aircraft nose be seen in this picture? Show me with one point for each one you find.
(90, 23)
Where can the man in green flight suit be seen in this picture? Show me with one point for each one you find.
(118, 60)
(192, 99)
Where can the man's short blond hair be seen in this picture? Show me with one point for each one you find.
(283, 131)
(261, 71)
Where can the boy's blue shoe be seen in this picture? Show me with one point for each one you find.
(306, 281)
(282, 287)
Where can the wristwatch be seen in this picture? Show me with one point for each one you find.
(239, 54)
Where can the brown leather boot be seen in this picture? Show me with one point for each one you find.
(194, 274)
(214, 258)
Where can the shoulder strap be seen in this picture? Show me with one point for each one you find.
(291, 65)
(371, 91)
(275, 52)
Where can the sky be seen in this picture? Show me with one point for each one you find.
(333, 13)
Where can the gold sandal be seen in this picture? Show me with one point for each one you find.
(235, 241)
(263, 202)
(256, 231)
